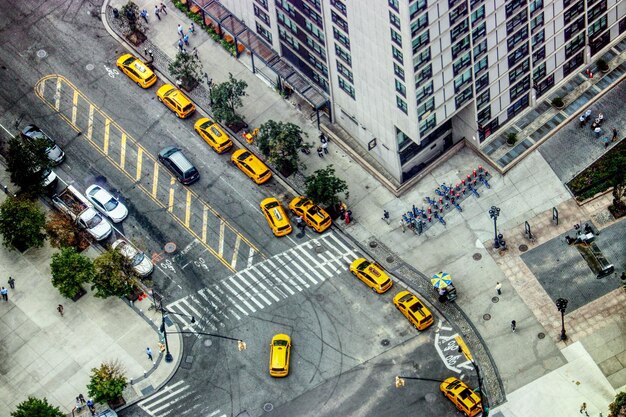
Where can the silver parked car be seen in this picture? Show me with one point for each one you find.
(141, 263)
(106, 204)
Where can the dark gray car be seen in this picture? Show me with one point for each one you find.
(179, 165)
(55, 154)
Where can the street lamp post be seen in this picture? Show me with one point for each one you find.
(494, 212)
(561, 305)
(462, 348)
(209, 82)
(168, 355)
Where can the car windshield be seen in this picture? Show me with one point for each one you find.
(363, 265)
(206, 124)
(271, 205)
(138, 258)
(111, 204)
(187, 107)
(38, 134)
(243, 156)
(94, 221)
(280, 343)
(129, 61)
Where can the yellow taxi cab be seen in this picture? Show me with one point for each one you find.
(276, 216)
(311, 213)
(136, 71)
(280, 350)
(213, 134)
(252, 166)
(466, 400)
(173, 98)
(413, 309)
(371, 274)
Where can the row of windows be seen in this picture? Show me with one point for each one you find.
(428, 124)
(572, 64)
(462, 79)
(343, 54)
(479, 32)
(481, 65)
(477, 15)
(419, 24)
(316, 47)
(397, 69)
(575, 45)
(396, 37)
(535, 5)
(519, 71)
(457, 13)
(343, 70)
(262, 3)
(483, 99)
(480, 48)
(394, 20)
(317, 64)
(516, 21)
(426, 107)
(519, 36)
(463, 98)
(545, 85)
(315, 31)
(596, 27)
(258, 12)
(517, 107)
(339, 21)
(459, 30)
(420, 41)
(517, 56)
(596, 11)
(574, 11)
(339, 5)
(402, 105)
(519, 88)
(539, 54)
(400, 88)
(397, 54)
(263, 32)
(536, 22)
(287, 22)
(574, 28)
(345, 86)
(313, 15)
(315, 3)
(421, 58)
(424, 91)
(462, 63)
(538, 38)
(416, 7)
(460, 46)
(512, 6)
(539, 72)
(425, 74)
(341, 38)
(482, 82)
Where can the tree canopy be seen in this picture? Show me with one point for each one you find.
(226, 99)
(21, 223)
(26, 161)
(281, 143)
(107, 382)
(70, 270)
(114, 275)
(323, 187)
(186, 68)
(35, 407)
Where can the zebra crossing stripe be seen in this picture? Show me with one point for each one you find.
(247, 285)
(312, 260)
(231, 301)
(252, 309)
(186, 325)
(199, 315)
(245, 292)
(292, 272)
(218, 310)
(259, 283)
(306, 273)
(275, 269)
(148, 403)
(270, 273)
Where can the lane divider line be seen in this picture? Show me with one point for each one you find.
(221, 238)
(170, 205)
(205, 220)
(139, 161)
(155, 180)
(123, 152)
(90, 122)
(57, 96)
(188, 208)
(233, 263)
(75, 107)
(105, 146)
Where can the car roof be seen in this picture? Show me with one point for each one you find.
(180, 160)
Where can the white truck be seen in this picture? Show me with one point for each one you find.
(79, 209)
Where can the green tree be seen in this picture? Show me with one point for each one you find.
(280, 143)
(323, 187)
(114, 275)
(226, 99)
(131, 21)
(70, 270)
(107, 382)
(22, 223)
(35, 407)
(618, 407)
(187, 69)
(26, 161)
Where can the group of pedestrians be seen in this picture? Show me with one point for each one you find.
(4, 292)
(596, 126)
(158, 9)
(80, 403)
(184, 37)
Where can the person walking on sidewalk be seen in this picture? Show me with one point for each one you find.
(614, 138)
(149, 353)
(11, 283)
(402, 225)
(513, 325)
(92, 406)
(325, 147)
(181, 32)
(180, 45)
(163, 8)
(60, 309)
(320, 152)
(186, 39)
(144, 14)
(157, 12)
(499, 288)
(583, 407)
(192, 29)
(81, 398)
(386, 216)
(5, 294)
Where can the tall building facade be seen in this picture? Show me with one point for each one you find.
(408, 79)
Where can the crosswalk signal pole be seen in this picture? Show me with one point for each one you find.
(168, 355)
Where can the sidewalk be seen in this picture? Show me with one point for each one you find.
(463, 247)
(46, 355)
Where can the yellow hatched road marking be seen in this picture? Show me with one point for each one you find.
(139, 160)
(205, 220)
(188, 208)
(90, 122)
(123, 151)
(54, 103)
(74, 107)
(107, 124)
(170, 206)
(221, 238)
(155, 179)
(233, 262)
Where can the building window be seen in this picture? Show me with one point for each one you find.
(517, 73)
(343, 70)
(421, 58)
(401, 138)
(423, 75)
(341, 53)
(517, 38)
(545, 85)
(262, 3)
(316, 47)
(457, 13)
(462, 79)
(512, 6)
(261, 15)
(419, 24)
(400, 88)
(483, 99)
(596, 11)
(462, 63)
(477, 15)
(397, 69)
(345, 86)
(338, 4)
(416, 7)
(341, 38)
(313, 15)
(424, 92)
(574, 11)
(535, 5)
(481, 65)
(396, 37)
(339, 21)
(538, 38)
(452, 3)
(462, 98)
(397, 54)
(519, 88)
(573, 63)
(539, 72)
(536, 22)
(482, 82)
(480, 49)
(574, 46)
(574, 28)
(459, 30)
(426, 107)
(479, 32)
(517, 107)
(539, 54)
(263, 32)
(394, 20)
(394, 5)
(316, 4)
(517, 56)
(516, 21)
(484, 115)
(287, 37)
(315, 31)
(428, 124)
(461, 46)
(402, 105)
(596, 27)
(420, 41)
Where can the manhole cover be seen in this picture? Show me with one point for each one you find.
(89, 67)
(486, 317)
(207, 343)
(390, 259)
(319, 249)
(267, 407)
(170, 247)
(319, 297)
(495, 299)
(373, 244)
(477, 256)
(430, 397)
(356, 308)
(41, 53)
(385, 342)
(541, 336)
(523, 248)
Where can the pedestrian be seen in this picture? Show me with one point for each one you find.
(144, 14)
(582, 120)
(180, 30)
(606, 141)
(192, 28)
(5, 294)
(320, 152)
(325, 147)
(513, 325)
(60, 309)
(386, 216)
(149, 353)
(11, 283)
(499, 288)
(587, 113)
(79, 405)
(195, 53)
(157, 12)
(81, 398)
(92, 406)
(323, 138)
(614, 138)
(583, 407)
(163, 8)
(186, 39)
(402, 225)
(597, 131)
(180, 45)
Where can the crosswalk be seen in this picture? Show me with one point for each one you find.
(266, 283)
(176, 400)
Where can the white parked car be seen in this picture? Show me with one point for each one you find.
(141, 263)
(93, 222)
(106, 204)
